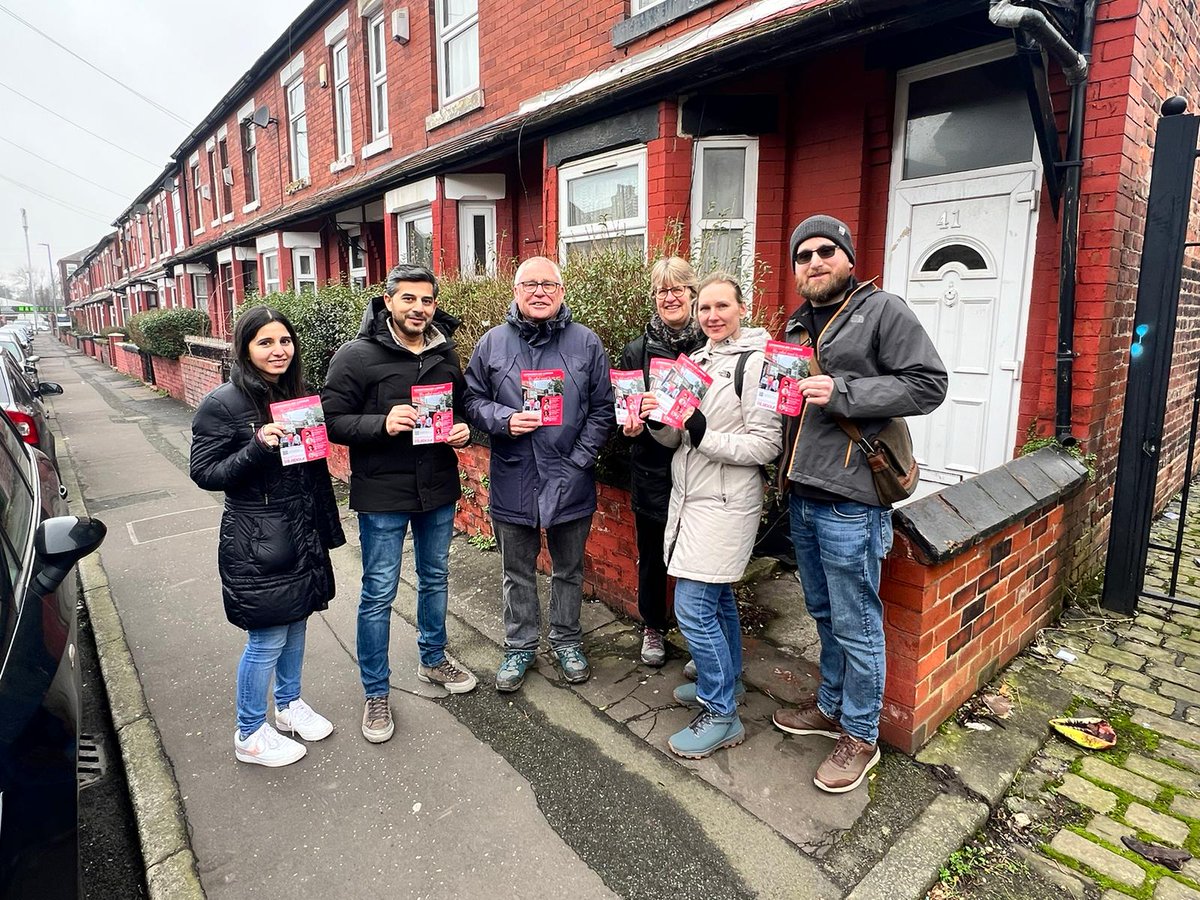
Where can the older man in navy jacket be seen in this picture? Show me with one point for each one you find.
(541, 475)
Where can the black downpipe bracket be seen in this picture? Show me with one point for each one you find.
(1065, 355)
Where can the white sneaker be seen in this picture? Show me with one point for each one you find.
(299, 718)
(267, 747)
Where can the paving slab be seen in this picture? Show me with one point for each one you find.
(1170, 889)
(1110, 829)
(1162, 773)
(1099, 770)
(1143, 698)
(1098, 858)
(1174, 674)
(1181, 731)
(1087, 793)
(1186, 756)
(1120, 657)
(1168, 828)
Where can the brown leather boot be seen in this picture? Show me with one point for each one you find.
(806, 718)
(845, 768)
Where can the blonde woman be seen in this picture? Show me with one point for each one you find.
(712, 518)
(671, 330)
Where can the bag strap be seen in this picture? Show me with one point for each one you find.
(852, 431)
(739, 371)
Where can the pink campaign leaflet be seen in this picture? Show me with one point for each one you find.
(682, 389)
(434, 404)
(542, 393)
(303, 421)
(628, 388)
(784, 366)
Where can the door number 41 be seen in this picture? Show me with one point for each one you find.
(948, 220)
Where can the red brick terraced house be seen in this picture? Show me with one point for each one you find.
(971, 146)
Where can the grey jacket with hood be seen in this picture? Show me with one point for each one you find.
(883, 366)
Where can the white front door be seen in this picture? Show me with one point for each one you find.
(961, 231)
(962, 260)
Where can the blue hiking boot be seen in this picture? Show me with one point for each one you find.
(573, 663)
(707, 734)
(511, 674)
(685, 694)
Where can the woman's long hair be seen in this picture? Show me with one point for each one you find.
(245, 375)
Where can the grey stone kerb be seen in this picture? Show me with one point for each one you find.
(943, 525)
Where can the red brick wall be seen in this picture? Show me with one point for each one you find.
(199, 376)
(610, 567)
(128, 361)
(950, 627)
(168, 376)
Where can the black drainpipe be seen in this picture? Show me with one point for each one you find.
(1065, 357)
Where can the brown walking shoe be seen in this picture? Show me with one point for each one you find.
(806, 718)
(845, 768)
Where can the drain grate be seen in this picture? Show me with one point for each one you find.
(91, 765)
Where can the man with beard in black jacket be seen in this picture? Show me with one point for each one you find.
(405, 340)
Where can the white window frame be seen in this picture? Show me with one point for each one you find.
(299, 282)
(358, 274)
(343, 132)
(270, 260)
(412, 215)
(467, 212)
(572, 234)
(377, 73)
(226, 187)
(248, 132)
(711, 220)
(296, 134)
(200, 292)
(197, 192)
(444, 36)
(640, 6)
(178, 213)
(213, 189)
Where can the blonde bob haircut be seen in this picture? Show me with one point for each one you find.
(671, 270)
(720, 277)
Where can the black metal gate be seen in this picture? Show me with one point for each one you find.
(1134, 537)
(147, 366)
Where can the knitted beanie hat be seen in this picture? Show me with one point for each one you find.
(826, 227)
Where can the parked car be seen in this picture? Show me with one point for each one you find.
(26, 362)
(39, 675)
(62, 320)
(22, 404)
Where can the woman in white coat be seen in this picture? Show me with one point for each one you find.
(712, 519)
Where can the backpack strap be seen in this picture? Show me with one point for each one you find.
(739, 371)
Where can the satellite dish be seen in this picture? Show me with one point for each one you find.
(262, 117)
(140, 209)
(168, 183)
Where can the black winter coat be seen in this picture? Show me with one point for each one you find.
(649, 460)
(366, 378)
(279, 522)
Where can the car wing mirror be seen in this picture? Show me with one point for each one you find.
(49, 387)
(61, 542)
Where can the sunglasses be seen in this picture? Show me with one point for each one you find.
(804, 257)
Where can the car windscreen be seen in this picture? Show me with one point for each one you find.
(10, 343)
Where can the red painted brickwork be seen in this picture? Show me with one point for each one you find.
(168, 376)
(199, 377)
(950, 627)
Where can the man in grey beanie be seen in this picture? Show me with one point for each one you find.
(876, 363)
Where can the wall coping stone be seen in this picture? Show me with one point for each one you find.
(211, 343)
(132, 348)
(950, 522)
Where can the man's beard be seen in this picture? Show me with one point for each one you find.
(832, 288)
(403, 326)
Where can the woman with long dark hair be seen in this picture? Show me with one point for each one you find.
(279, 525)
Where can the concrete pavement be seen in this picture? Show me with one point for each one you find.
(556, 790)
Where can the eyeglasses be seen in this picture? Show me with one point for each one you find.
(677, 292)
(530, 287)
(804, 257)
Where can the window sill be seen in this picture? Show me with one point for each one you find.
(227, 218)
(658, 16)
(197, 232)
(296, 186)
(250, 207)
(214, 223)
(340, 165)
(455, 109)
(377, 146)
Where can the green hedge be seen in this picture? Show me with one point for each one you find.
(161, 331)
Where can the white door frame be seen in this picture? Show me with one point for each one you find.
(897, 282)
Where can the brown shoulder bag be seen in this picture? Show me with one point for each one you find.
(889, 454)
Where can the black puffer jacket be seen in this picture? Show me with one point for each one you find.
(367, 377)
(649, 460)
(279, 522)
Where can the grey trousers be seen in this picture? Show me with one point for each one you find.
(519, 547)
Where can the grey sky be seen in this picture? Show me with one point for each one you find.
(183, 56)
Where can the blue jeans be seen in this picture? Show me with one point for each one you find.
(276, 651)
(382, 539)
(839, 550)
(708, 619)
